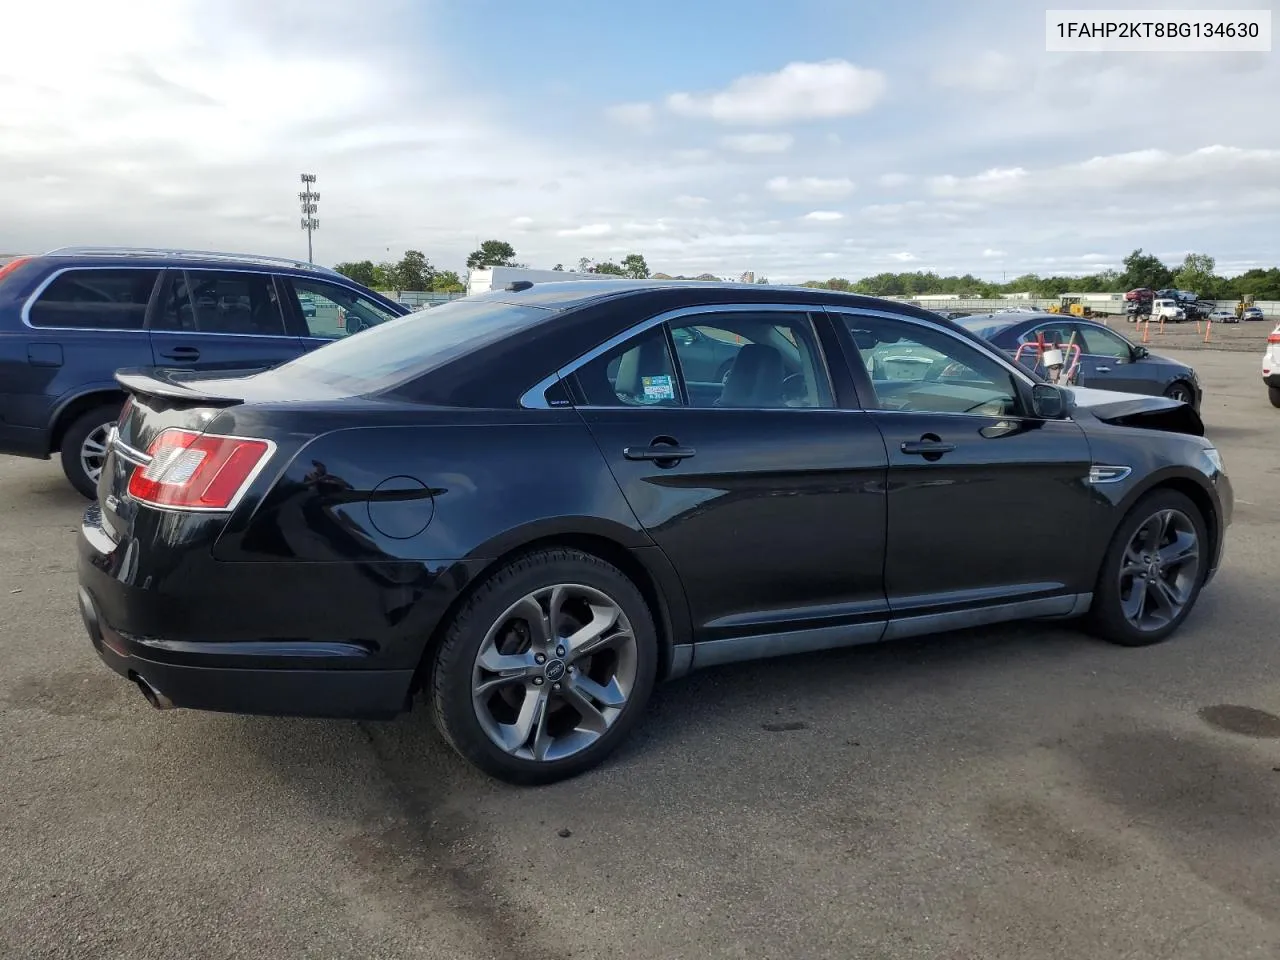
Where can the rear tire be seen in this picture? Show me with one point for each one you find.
(1273, 393)
(84, 450)
(1115, 601)
(487, 668)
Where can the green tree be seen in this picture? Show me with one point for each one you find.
(447, 281)
(361, 271)
(384, 276)
(609, 268)
(492, 253)
(634, 266)
(413, 272)
(1257, 283)
(1145, 270)
(1196, 274)
(584, 264)
(558, 266)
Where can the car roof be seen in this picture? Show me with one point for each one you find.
(110, 256)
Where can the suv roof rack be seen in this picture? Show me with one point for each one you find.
(189, 254)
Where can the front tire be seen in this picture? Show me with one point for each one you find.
(1153, 571)
(546, 668)
(1181, 391)
(84, 447)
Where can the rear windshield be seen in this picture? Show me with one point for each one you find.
(407, 347)
(984, 327)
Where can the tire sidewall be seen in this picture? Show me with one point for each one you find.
(1107, 614)
(452, 671)
(73, 440)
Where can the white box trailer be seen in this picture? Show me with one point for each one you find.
(496, 278)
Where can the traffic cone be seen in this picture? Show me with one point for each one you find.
(1146, 332)
(1208, 329)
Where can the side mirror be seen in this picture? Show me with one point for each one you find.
(1048, 402)
(1141, 353)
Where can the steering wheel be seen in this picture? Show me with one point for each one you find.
(943, 371)
(793, 387)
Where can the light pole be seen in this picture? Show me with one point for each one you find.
(309, 198)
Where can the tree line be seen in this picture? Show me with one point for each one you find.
(1196, 273)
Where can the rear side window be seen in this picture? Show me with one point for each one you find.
(638, 373)
(215, 301)
(407, 347)
(95, 300)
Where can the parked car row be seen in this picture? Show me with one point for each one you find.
(530, 505)
(70, 318)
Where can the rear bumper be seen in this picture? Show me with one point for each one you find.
(199, 634)
(1272, 380)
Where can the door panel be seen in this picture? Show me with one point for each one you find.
(985, 505)
(1108, 363)
(221, 319)
(773, 514)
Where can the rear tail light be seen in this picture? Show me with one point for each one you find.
(196, 471)
(1273, 338)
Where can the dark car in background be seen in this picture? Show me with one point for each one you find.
(532, 504)
(1108, 361)
(70, 318)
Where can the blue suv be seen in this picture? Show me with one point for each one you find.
(71, 317)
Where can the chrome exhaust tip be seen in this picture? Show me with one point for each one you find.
(154, 696)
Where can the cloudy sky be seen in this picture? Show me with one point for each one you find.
(801, 140)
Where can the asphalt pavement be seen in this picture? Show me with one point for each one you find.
(1021, 792)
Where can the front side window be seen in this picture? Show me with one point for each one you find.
(1055, 334)
(332, 311)
(1104, 343)
(214, 301)
(916, 368)
(95, 300)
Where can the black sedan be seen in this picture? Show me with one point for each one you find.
(521, 506)
(1108, 361)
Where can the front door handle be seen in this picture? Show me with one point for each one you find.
(662, 454)
(1101, 369)
(928, 448)
(182, 353)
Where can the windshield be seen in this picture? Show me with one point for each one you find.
(409, 346)
(984, 327)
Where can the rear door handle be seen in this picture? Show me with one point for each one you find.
(1101, 369)
(658, 453)
(182, 353)
(927, 448)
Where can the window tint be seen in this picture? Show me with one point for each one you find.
(399, 350)
(765, 360)
(333, 312)
(638, 373)
(1104, 343)
(1057, 332)
(95, 299)
(916, 368)
(208, 301)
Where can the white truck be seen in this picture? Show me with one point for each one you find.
(496, 278)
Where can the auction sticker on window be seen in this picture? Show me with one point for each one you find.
(657, 389)
(1158, 31)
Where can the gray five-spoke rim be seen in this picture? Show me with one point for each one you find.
(1159, 569)
(1180, 393)
(93, 452)
(554, 672)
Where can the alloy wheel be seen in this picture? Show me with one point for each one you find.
(93, 452)
(1180, 393)
(554, 672)
(1159, 569)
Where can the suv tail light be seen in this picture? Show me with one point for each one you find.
(1273, 338)
(196, 471)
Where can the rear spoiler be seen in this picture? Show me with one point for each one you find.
(182, 385)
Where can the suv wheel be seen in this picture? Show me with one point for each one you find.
(546, 668)
(84, 447)
(1274, 394)
(1153, 571)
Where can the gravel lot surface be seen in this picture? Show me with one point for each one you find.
(1021, 792)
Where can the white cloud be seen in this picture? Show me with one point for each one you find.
(690, 202)
(903, 257)
(992, 254)
(810, 188)
(799, 91)
(521, 222)
(824, 216)
(892, 180)
(636, 115)
(759, 142)
(692, 155)
(989, 72)
(586, 230)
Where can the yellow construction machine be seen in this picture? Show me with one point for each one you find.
(1073, 306)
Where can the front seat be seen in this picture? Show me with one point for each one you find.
(648, 359)
(755, 379)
